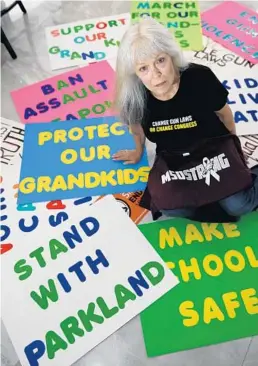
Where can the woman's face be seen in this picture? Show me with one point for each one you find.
(157, 74)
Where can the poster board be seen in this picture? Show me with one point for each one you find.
(129, 203)
(80, 93)
(96, 285)
(217, 297)
(81, 160)
(44, 211)
(183, 19)
(234, 26)
(85, 41)
(250, 149)
(11, 141)
(35, 218)
(243, 101)
(219, 58)
(31, 219)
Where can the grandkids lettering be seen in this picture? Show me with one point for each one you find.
(81, 155)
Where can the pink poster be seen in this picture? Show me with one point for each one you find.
(235, 27)
(80, 93)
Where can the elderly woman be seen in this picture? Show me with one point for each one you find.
(181, 108)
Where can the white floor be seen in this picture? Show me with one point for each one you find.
(26, 34)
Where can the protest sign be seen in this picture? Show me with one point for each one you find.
(81, 93)
(181, 18)
(81, 160)
(250, 149)
(37, 216)
(12, 137)
(239, 78)
(31, 218)
(217, 57)
(234, 26)
(78, 285)
(85, 41)
(216, 299)
(243, 100)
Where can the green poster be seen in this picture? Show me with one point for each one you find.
(182, 18)
(217, 297)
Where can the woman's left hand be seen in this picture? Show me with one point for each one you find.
(128, 156)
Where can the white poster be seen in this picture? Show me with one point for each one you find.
(243, 100)
(69, 289)
(250, 149)
(86, 41)
(11, 141)
(239, 76)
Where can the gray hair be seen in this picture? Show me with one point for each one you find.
(142, 40)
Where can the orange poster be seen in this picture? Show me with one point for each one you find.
(129, 202)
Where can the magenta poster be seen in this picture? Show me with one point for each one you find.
(81, 93)
(235, 27)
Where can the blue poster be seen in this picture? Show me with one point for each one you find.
(70, 159)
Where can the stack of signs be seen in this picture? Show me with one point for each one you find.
(217, 298)
(87, 41)
(181, 18)
(78, 283)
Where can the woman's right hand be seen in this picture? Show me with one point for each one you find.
(128, 156)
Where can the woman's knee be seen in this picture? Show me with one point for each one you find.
(184, 212)
(235, 206)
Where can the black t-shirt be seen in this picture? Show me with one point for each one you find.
(188, 117)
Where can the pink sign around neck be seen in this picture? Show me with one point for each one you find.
(235, 27)
(81, 93)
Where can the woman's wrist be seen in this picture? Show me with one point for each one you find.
(139, 151)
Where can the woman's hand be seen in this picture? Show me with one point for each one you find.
(128, 156)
